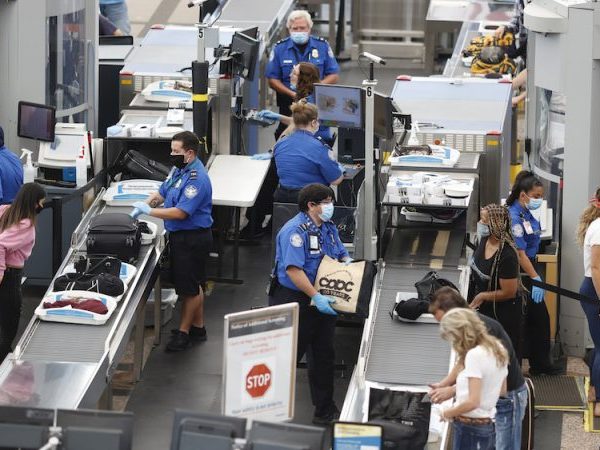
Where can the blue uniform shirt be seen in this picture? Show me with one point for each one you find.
(189, 189)
(11, 175)
(302, 159)
(285, 55)
(294, 247)
(529, 242)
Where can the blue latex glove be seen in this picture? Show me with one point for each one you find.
(323, 304)
(342, 168)
(348, 261)
(140, 208)
(268, 114)
(537, 293)
(262, 156)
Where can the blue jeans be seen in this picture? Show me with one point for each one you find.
(591, 312)
(117, 14)
(472, 437)
(510, 411)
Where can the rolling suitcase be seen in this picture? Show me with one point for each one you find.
(527, 433)
(114, 234)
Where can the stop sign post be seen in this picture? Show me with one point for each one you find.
(258, 380)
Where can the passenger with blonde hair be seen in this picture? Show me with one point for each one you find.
(480, 373)
(588, 236)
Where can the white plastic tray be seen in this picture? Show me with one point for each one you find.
(423, 318)
(148, 238)
(126, 193)
(128, 271)
(70, 315)
(442, 156)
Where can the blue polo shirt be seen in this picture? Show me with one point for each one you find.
(11, 175)
(529, 242)
(293, 247)
(285, 55)
(302, 159)
(189, 189)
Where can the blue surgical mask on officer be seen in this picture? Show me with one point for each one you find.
(326, 211)
(299, 37)
(483, 230)
(534, 203)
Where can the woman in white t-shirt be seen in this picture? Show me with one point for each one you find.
(588, 236)
(481, 370)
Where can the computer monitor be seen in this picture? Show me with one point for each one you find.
(24, 428)
(203, 431)
(95, 430)
(340, 106)
(383, 116)
(251, 32)
(271, 436)
(36, 121)
(244, 51)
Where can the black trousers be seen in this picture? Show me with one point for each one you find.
(284, 195)
(510, 316)
(10, 309)
(315, 339)
(536, 332)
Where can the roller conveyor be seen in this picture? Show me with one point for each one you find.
(65, 365)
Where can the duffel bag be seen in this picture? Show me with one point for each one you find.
(102, 283)
(350, 285)
(137, 165)
(114, 234)
(430, 283)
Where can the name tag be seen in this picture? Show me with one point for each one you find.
(527, 226)
(314, 244)
(288, 61)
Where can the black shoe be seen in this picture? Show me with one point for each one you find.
(196, 334)
(179, 341)
(327, 419)
(546, 370)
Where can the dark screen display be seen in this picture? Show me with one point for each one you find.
(36, 121)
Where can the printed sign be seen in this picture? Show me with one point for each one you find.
(259, 365)
(357, 436)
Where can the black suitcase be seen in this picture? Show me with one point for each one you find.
(136, 165)
(114, 234)
(527, 433)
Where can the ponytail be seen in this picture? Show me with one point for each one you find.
(525, 181)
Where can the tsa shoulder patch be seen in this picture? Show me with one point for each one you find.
(296, 240)
(517, 230)
(190, 191)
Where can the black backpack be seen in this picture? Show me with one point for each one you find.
(116, 234)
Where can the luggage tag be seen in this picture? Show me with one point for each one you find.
(314, 246)
(527, 226)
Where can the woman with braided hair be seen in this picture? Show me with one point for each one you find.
(495, 286)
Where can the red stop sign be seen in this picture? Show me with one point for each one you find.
(258, 380)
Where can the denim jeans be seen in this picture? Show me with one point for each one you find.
(117, 14)
(510, 411)
(472, 437)
(593, 318)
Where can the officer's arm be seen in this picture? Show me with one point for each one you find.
(526, 265)
(332, 78)
(168, 213)
(278, 86)
(338, 181)
(155, 199)
(300, 280)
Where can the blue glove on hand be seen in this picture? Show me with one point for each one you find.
(342, 168)
(268, 114)
(323, 304)
(140, 208)
(262, 156)
(348, 261)
(537, 293)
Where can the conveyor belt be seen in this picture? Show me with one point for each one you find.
(406, 353)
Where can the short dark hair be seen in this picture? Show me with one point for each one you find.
(315, 193)
(445, 299)
(189, 141)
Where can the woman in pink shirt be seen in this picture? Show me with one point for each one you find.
(17, 237)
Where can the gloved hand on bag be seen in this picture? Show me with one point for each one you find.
(537, 293)
(323, 304)
(262, 156)
(268, 114)
(348, 261)
(342, 168)
(140, 208)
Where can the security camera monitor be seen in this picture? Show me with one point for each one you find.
(340, 106)
(24, 428)
(95, 430)
(251, 32)
(199, 431)
(36, 121)
(244, 51)
(271, 436)
(383, 116)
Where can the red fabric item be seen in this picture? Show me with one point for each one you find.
(86, 304)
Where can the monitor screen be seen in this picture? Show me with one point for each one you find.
(251, 32)
(36, 121)
(293, 436)
(99, 430)
(339, 106)
(190, 429)
(24, 428)
(383, 125)
(347, 435)
(244, 50)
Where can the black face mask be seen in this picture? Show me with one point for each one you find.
(38, 209)
(178, 161)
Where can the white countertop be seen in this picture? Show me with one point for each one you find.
(236, 180)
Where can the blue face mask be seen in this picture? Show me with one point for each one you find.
(299, 37)
(534, 203)
(326, 212)
(483, 230)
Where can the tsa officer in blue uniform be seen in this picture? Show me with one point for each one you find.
(301, 158)
(299, 46)
(11, 173)
(300, 247)
(526, 196)
(186, 196)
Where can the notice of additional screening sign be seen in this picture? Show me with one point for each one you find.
(357, 436)
(259, 364)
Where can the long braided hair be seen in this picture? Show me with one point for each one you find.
(500, 228)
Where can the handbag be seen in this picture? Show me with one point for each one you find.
(98, 264)
(102, 283)
(404, 416)
(430, 283)
(349, 284)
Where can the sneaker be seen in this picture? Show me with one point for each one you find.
(197, 334)
(179, 341)
(327, 419)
